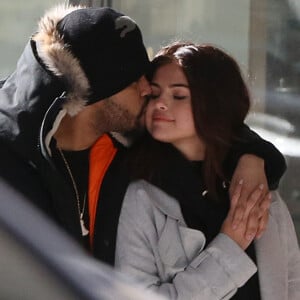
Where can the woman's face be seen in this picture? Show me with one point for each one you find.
(169, 115)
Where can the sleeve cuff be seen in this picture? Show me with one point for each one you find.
(232, 259)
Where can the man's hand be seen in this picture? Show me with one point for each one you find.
(249, 189)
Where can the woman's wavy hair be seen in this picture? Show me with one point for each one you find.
(219, 95)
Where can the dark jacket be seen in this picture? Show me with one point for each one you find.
(30, 104)
(44, 86)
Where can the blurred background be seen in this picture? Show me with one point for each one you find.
(263, 35)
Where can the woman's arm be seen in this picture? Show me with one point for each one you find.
(214, 273)
(289, 240)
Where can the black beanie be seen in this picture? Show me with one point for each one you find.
(108, 46)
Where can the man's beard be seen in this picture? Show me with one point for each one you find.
(114, 117)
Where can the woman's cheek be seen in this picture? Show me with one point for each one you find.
(148, 114)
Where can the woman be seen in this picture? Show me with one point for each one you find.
(175, 231)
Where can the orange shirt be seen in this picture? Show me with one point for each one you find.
(101, 156)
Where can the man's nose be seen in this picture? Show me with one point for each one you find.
(145, 88)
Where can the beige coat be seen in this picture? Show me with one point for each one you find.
(155, 246)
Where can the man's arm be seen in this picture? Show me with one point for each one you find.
(249, 142)
(252, 164)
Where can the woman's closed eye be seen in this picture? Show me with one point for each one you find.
(175, 97)
(179, 97)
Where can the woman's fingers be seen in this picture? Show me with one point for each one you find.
(252, 215)
(244, 201)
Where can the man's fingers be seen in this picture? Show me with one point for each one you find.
(236, 193)
(254, 199)
(262, 226)
(236, 209)
(258, 217)
(264, 215)
(265, 204)
(253, 223)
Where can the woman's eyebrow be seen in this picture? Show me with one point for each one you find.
(171, 85)
(179, 85)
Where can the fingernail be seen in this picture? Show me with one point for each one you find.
(269, 196)
(241, 181)
(261, 186)
(234, 226)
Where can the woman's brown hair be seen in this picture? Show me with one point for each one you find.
(220, 99)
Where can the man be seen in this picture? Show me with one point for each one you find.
(80, 77)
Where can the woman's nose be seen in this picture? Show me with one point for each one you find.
(161, 105)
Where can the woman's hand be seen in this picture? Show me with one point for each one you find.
(249, 178)
(254, 220)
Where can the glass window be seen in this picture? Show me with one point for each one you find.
(18, 20)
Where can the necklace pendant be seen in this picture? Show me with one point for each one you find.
(84, 230)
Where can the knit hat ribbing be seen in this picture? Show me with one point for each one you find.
(108, 46)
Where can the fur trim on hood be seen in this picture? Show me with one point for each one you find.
(59, 60)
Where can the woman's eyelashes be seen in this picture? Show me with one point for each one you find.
(174, 92)
(178, 97)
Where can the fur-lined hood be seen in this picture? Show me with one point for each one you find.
(31, 106)
(58, 59)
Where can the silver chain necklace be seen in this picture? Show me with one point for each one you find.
(84, 230)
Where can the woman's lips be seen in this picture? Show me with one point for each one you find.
(162, 118)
